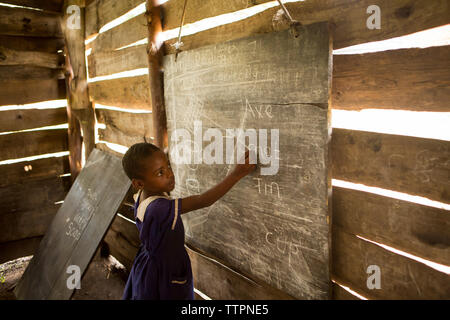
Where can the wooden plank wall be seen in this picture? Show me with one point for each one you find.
(405, 79)
(30, 72)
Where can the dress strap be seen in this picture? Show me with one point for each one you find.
(142, 206)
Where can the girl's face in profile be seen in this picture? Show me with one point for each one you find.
(158, 176)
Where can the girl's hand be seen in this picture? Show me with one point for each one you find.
(215, 193)
(241, 170)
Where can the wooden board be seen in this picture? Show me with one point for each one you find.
(11, 57)
(25, 22)
(49, 5)
(398, 18)
(401, 277)
(276, 225)
(128, 93)
(109, 62)
(22, 225)
(32, 143)
(13, 92)
(29, 72)
(124, 34)
(15, 120)
(33, 194)
(420, 230)
(17, 249)
(26, 209)
(27, 171)
(411, 165)
(41, 44)
(100, 12)
(102, 146)
(410, 79)
(77, 229)
(125, 128)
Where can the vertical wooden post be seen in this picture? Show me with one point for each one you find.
(155, 55)
(75, 141)
(73, 26)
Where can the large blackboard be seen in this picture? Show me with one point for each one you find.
(77, 229)
(273, 227)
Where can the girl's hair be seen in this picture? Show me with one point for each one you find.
(133, 160)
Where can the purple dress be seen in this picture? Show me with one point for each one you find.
(161, 269)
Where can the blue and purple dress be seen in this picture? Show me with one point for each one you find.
(161, 269)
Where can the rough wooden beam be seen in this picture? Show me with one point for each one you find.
(13, 92)
(108, 62)
(74, 129)
(127, 93)
(32, 143)
(40, 193)
(100, 12)
(17, 249)
(26, 224)
(155, 54)
(78, 95)
(409, 79)
(411, 165)
(401, 277)
(30, 72)
(40, 44)
(417, 229)
(16, 120)
(27, 171)
(125, 128)
(25, 22)
(122, 35)
(9, 57)
(398, 18)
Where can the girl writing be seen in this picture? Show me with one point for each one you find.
(161, 268)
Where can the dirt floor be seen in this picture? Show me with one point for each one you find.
(103, 280)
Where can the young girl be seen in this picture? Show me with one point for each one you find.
(161, 268)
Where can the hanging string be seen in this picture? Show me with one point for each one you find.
(292, 23)
(177, 45)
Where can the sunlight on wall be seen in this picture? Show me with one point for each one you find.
(432, 125)
(201, 294)
(114, 146)
(52, 104)
(55, 127)
(439, 36)
(123, 217)
(41, 156)
(134, 44)
(124, 74)
(102, 106)
(140, 9)
(431, 264)
(391, 194)
(356, 294)
(98, 126)
(17, 6)
(90, 39)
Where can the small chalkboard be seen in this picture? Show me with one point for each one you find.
(274, 227)
(77, 229)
